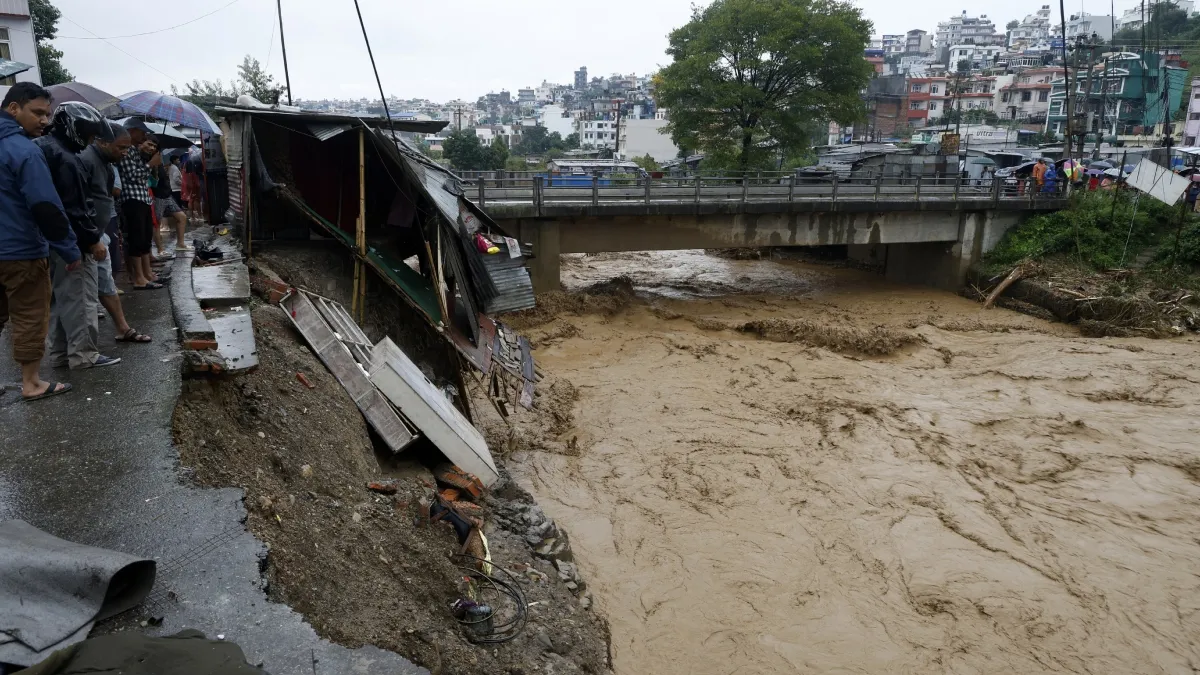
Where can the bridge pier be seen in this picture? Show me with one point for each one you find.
(945, 264)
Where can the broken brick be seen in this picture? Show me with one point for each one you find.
(303, 379)
(386, 487)
(456, 477)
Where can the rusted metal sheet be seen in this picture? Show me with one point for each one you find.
(329, 346)
(324, 132)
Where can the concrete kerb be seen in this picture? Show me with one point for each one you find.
(194, 330)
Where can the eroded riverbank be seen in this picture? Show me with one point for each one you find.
(1000, 496)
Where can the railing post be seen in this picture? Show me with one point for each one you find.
(537, 193)
(697, 190)
(835, 187)
(482, 191)
(957, 184)
(996, 190)
(878, 184)
(595, 190)
(1030, 188)
(791, 188)
(917, 191)
(745, 187)
(648, 179)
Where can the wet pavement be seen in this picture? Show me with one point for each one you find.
(98, 466)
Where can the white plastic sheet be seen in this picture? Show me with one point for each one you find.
(1158, 181)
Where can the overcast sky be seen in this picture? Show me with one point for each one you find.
(438, 50)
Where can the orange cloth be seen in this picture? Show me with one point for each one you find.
(1039, 173)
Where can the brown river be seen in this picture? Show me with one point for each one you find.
(1002, 496)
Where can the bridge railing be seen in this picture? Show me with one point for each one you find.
(595, 191)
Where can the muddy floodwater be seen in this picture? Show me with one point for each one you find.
(1002, 496)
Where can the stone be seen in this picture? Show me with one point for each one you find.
(571, 586)
(585, 602)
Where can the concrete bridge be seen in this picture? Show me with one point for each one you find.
(923, 230)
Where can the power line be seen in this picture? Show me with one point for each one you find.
(125, 52)
(133, 35)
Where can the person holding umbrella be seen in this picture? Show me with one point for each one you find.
(72, 342)
(137, 205)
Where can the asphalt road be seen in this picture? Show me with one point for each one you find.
(98, 466)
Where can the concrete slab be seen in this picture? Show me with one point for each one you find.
(235, 339)
(221, 285)
(189, 316)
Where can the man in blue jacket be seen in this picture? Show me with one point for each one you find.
(32, 222)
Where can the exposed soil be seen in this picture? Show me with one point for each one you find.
(360, 566)
(1001, 495)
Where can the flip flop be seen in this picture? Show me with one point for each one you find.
(151, 286)
(132, 335)
(52, 390)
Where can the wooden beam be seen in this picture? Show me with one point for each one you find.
(360, 235)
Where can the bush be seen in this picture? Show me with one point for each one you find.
(1090, 231)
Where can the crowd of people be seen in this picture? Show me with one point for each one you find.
(81, 196)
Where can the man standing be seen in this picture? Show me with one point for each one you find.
(137, 205)
(166, 207)
(32, 221)
(97, 162)
(72, 342)
(1039, 174)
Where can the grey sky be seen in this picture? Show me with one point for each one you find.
(439, 50)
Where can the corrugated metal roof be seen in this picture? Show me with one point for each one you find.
(14, 7)
(420, 127)
(512, 280)
(324, 132)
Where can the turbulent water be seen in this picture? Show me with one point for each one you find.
(1001, 497)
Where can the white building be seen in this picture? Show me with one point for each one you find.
(894, 44)
(965, 29)
(1085, 25)
(917, 41)
(1034, 29)
(646, 137)
(16, 42)
(556, 119)
(1132, 18)
(976, 56)
(595, 134)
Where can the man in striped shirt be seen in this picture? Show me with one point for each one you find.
(137, 204)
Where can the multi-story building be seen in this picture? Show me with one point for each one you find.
(1085, 26)
(1034, 29)
(1129, 96)
(894, 45)
(16, 42)
(917, 41)
(1191, 127)
(581, 78)
(1027, 98)
(975, 56)
(887, 107)
(597, 134)
(1132, 18)
(965, 29)
(927, 100)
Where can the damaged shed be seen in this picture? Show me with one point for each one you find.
(362, 185)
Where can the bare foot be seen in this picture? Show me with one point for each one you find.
(40, 387)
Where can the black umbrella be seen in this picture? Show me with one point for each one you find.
(83, 93)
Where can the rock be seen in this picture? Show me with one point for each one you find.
(306, 471)
(544, 640)
(261, 435)
(265, 504)
(585, 602)
(533, 540)
(571, 586)
(386, 487)
(357, 517)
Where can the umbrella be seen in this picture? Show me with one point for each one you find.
(982, 160)
(1100, 164)
(169, 108)
(165, 135)
(83, 93)
(1115, 173)
(8, 67)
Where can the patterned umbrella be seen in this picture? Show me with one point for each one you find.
(169, 108)
(84, 93)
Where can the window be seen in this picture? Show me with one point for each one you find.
(1043, 96)
(1196, 95)
(1194, 116)
(1026, 96)
(1056, 107)
(933, 105)
(918, 87)
(6, 53)
(934, 89)
(914, 105)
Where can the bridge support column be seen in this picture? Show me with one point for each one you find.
(945, 264)
(545, 267)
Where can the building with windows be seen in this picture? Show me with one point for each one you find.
(974, 56)
(927, 100)
(965, 29)
(917, 41)
(1084, 25)
(1133, 17)
(1034, 29)
(1027, 98)
(1191, 126)
(16, 42)
(581, 78)
(597, 134)
(1134, 95)
(893, 45)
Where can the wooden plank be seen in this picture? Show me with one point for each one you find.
(431, 412)
(338, 359)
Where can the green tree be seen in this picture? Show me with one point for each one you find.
(1012, 24)
(571, 142)
(255, 81)
(464, 150)
(45, 18)
(496, 155)
(647, 163)
(749, 74)
(972, 116)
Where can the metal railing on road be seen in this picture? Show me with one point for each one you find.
(541, 191)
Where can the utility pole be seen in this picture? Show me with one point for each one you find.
(1087, 98)
(283, 43)
(1067, 107)
(1103, 109)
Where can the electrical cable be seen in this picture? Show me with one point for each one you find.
(133, 35)
(378, 82)
(173, 79)
(509, 629)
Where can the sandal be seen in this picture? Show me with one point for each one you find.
(132, 335)
(52, 390)
(150, 286)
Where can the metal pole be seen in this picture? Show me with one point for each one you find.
(283, 43)
(648, 189)
(378, 82)
(1103, 109)
(791, 188)
(482, 190)
(745, 187)
(917, 191)
(835, 187)
(595, 190)
(957, 182)
(1068, 108)
(697, 191)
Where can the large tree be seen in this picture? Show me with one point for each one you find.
(254, 80)
(45, 18)
(467, 153)
(750, 75)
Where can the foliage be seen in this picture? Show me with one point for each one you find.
(538, 141)
(973, 116)
(45, 16)
(1090, 231)
(1012, 24)
(1189, 248)
(647, 163)
(572, 141)
(749, 75)
(1040, 138)
(255, 81)
(1167, 24)
(466, 152)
